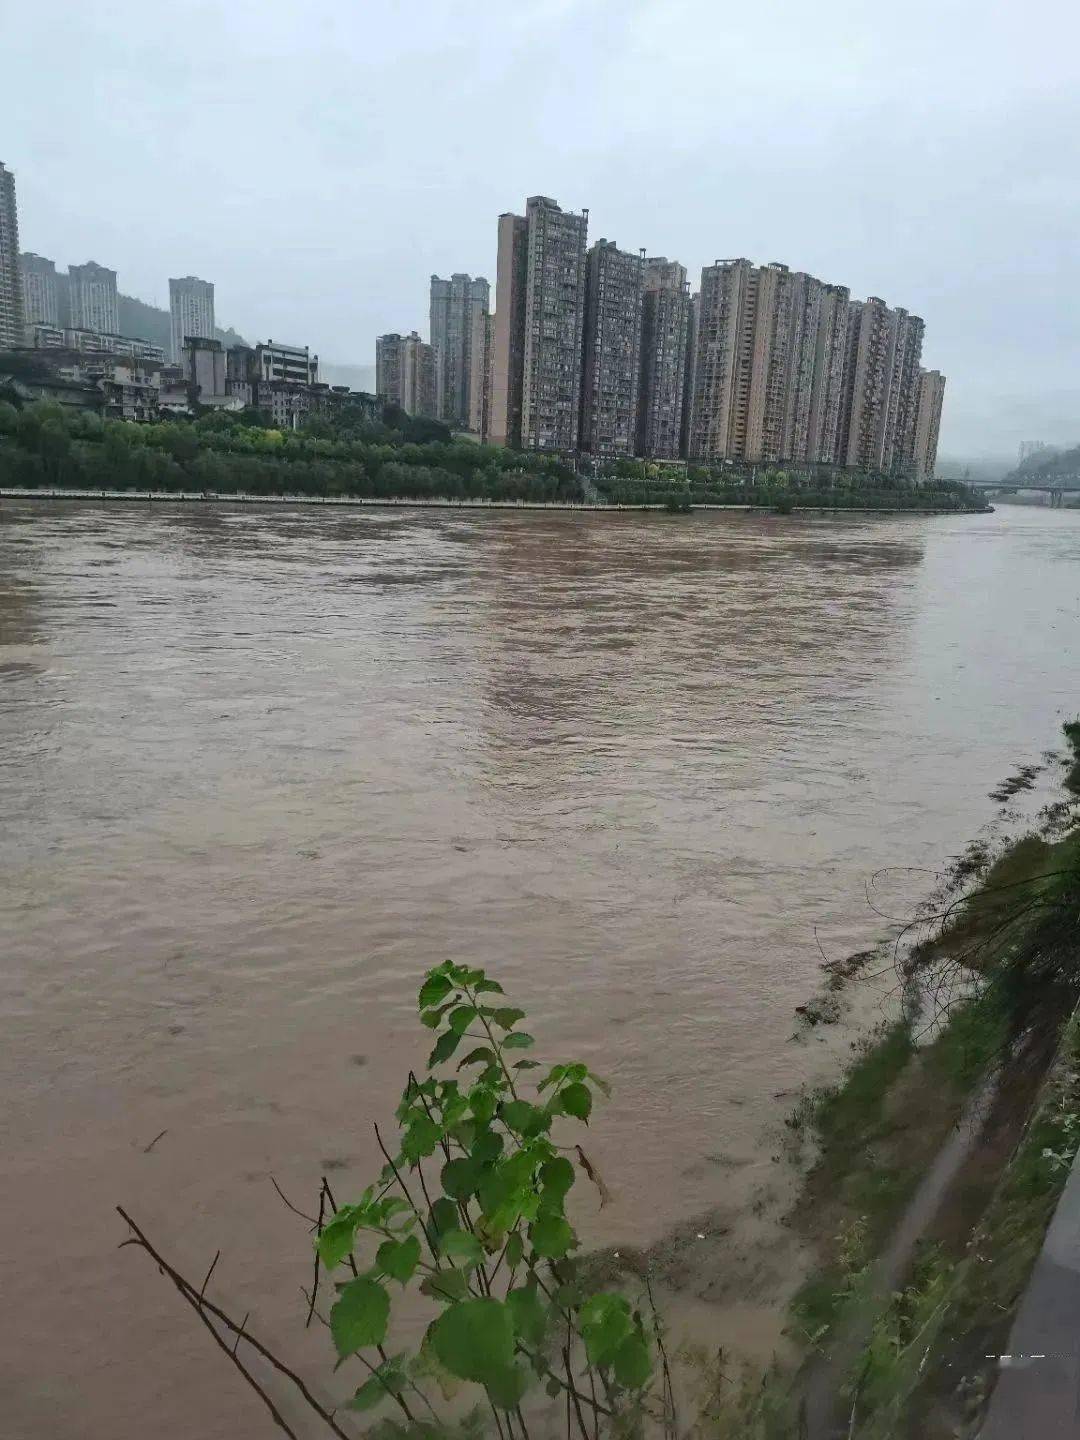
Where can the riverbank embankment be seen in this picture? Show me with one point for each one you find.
(164, 497)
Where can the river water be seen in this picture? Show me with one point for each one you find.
(259, 769)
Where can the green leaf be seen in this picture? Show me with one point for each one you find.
(461, 1018)
(388, 1207)
(435, 988)
(483, 1054)
(576, 1100)
(475, 1340)
(526, 1119)
(482, 1103)
(506, 1387)
(360, 1316)
(496, 1188)
(530, 1314)
(557, 1175)
(553, 1387)
(507, 1018)
(552, 1236)
(444, 1217)
(632, 1365)
(554, 1075)
(388, 1379)
(399, 1258)
(526, 1065)
(485, 985)
(445, 1046)
(600, 1084)
(605, 1324)
(518, 1040)
(462, 1249)
(420, 1138)
(339, 1236)
(446, 1285)
(460, 1178)
(515, 1250)
(487, 1146)
(433, 1018)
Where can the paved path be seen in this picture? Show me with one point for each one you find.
(1037, 1396)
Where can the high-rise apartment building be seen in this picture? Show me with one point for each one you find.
(41, 296)
(692, 326)
(11, 297)
(665, 333)
(881, 381)
(455, 305)
(928, 422)
(554, 315)
(611, 350)
(537, 335)
(722, 364)
(508, 332)
(827, 385)
(92, 298)
(480, 373)
(787, 368)
(405, 373)
(191, 307)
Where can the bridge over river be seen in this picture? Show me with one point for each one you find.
(1057, 488)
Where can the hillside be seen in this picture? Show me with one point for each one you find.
(150, 322)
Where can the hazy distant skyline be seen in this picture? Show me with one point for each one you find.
(318, 167)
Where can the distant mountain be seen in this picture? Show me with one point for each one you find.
(149, 322)
(357, 377)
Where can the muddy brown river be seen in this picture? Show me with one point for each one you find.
(260, 768)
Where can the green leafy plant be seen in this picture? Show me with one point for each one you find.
(470, 1210)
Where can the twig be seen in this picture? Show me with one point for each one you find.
(309, 1218)
(153, 1142)
(315, 1282)
(408, 1197)
(202, 1289)
(191, 1295)
(658, 1330)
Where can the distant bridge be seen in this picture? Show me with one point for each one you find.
(1057, 489)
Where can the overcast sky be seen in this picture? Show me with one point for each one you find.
(319, 162)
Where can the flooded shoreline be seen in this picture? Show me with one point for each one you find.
(260, 770)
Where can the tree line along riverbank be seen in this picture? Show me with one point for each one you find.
(44, 447)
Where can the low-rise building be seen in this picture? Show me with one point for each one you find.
(55, 337)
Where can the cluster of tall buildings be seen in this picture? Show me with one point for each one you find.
(591, 350)
(605, 352)
(48, 308)
(72, 320)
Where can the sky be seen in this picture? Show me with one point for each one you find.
(319, 163)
